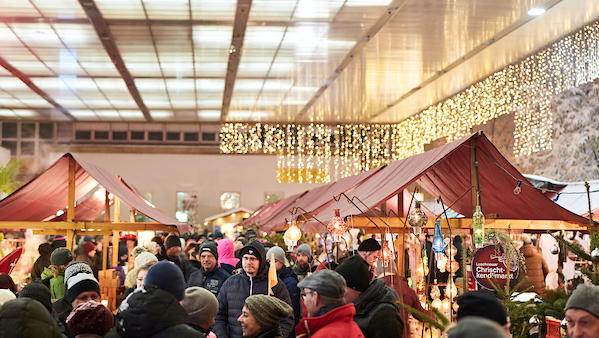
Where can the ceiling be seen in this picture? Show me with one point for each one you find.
(285, 61)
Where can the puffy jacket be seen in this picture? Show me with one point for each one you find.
(26, 318)
(226, 252)
(186, 267)
(57, 287)
(536, 270)
(210, 280)
(237, 288)
(337, 323)
(288, 276)
(377, 313)
(153, 313)
(63, 308)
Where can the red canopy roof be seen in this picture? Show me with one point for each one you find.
(41, 198)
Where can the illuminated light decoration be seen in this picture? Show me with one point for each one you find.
(422, 270)
(435, 295)
(446, 304)
(410, 281)
(455, 306)
(292, 235)
(417, 218)
(441, 262)
(478, 227)
(518, 188)
(127, 236)
(452, 266)
(420, 286)
(386, 254)
(451, 291)
(438, 244)
(337, 226)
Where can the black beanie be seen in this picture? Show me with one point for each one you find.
(481, 303)
(80, 283)
(356, 273)
(370, 244)
(38, 291)
(171, 241)
(209, 246)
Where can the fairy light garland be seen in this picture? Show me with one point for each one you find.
(523, 89)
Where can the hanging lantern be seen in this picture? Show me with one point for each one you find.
(386, 254)
(417, 218)
(435, 292)
(292, 235)
(437, 303)
(420, 286)
(478, 226)
(441, 262)
(451, 291)
(455, 306)
(422, 270)
(422, 299)
(445, 304)
(337, 226)
(438, 244)
(452, 266)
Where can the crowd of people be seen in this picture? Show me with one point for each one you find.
(214, 287)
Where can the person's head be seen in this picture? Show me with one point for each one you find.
(475, 327)
(201, 306)
(26, 318)
(357, 277)
(6, 282)
(279, 257)
(484, 304)
(369, 250)
(172, 245)
(261, 313)
(324, 287)
(168, 277)
(253, 258)
(90, 318)
(526, 239)
(207, 254)
(38, 291)
(81, 288)
(61, 257)
(6, 295)
(45, 249)
(145, 258)
(217, 236)
(89, 248)
(76, 268)
(142, 272)
(59, 241)
(582, 312)
(303, 254)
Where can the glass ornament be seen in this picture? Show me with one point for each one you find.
(478, 226)
(438, 244)
(417, 218)
(337, 226)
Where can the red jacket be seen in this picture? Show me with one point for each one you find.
(337, 323)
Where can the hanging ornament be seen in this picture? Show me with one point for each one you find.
(518, 188)
(478, 226)
(435, 292)
(595, 253)
(455, 306)
(422, 270)
(438, 244)
(445, 304)
(441, 262)
(292, 235)
(420, 286)
(337, 226)
(451, 291)
(410, 281)
(417, 218)
(554, 249)
(452, 266)
(422, 299)
(386, 254)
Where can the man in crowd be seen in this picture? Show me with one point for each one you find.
(582, 312)
(328, 315)
(377, 313)
(261, 315)
(369, 250)
(289, 278)
(252, 280)
(483, 303)
(536, 268)
(201, 306)
(210, 276)
(303, 261)
(170, 251)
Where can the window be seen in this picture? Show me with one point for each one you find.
(190, 137)
(119, 135)
(172, 136)
(27, 148)
(187, 204)
(229, 200)
(27, 130)
(155, 136)
(101, 135)
(9, 130)
(138, 135)
(46, 131)
(83, 135)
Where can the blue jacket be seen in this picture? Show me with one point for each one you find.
(210, 280)
(289, 277)
(237, 288)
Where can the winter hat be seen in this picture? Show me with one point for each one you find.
(325, 282)
(151, 246)
(168, 277)
(145, 258)
(61, 256)
(209, 246)
(76, 268)
(80, 283)
(138, 250)
(475, 327)
(217, 234)
(171, 241)
(306, 250)
(279, 254)
(45, 249)
(38, 291)
(370, 244)
(201, 305)
(59, 241)
(481, 303)
(6, 295)
(268, 311)
(88, 247)
(90, 318)
(586, 298)
(525, 239)
(356, 273)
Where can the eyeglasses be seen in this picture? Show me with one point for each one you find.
(304, 293)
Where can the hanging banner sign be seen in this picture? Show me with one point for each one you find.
(491, 263)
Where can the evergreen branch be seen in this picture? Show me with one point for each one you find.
(422, 316)
(573, 248)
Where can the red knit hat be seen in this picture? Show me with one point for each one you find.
(88, 247)
(91, 318)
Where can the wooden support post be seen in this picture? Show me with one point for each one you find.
(105, 244)
(115, 248)
(108, 285)
(70, 236)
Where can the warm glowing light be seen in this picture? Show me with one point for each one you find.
(417, 218)
(104, 302)
(337, 226)
(536, 11)
(386, 254)
(422, 270)
(453, 266)
(446, 304)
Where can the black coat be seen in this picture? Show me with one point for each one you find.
(153, 313)
(26, 317)
(62, 309)
(43, 261)
(210, 280)
(377, 312)
(289, 277)
(186, 267)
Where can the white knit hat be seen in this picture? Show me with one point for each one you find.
(6, 295)
(145, 258)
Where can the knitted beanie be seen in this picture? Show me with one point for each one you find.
(138, 250)
(305, 249)
(356, 273)
(217, 234)
(201, 305)
(370, 244)
(61, 256)
(481, 303)
(476, 327)
(90, 318)
(168, 277)
(268, 311)
(80, 283)
(38, 291)
(279, 254)
(45, 249)
(88, 247)
(209, 246)
(6, 295)
(145, 258)
(172, 241)
(586, 298)
(76, 268)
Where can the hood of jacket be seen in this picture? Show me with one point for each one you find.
(528, 250)
(286, 272)
(259, 251)
(377, 293)
(148, 311)
(26, 317)
(226, 252)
